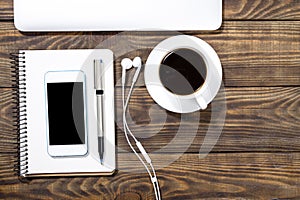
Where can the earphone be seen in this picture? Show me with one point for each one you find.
(127, 64)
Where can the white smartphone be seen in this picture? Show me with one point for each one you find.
(66, 113)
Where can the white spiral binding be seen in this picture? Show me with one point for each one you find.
(19, 70)
(22, 115)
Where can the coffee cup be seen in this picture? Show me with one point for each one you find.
(183, 74)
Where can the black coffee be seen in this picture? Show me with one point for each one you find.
(183, 71)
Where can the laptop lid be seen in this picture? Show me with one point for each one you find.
(117, 15)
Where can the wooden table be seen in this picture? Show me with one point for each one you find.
(257, 155)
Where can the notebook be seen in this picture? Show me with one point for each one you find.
(32, 67)
(117, 15)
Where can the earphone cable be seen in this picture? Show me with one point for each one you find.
(127, 139)
(125, 105)
(153, 178)
(146, 157)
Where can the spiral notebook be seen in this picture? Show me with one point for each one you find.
(34, 158)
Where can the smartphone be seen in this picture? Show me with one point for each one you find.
(66, 113)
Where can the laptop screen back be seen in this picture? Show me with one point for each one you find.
(117, 15)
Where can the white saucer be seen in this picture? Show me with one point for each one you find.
(183, 103)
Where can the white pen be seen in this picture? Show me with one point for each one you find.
(98, 85)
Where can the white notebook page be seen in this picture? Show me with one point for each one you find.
(38, 63)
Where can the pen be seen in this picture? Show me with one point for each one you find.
(98, 85)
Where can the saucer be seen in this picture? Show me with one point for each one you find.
(183, 103)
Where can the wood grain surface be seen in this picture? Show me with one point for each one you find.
(218, 176)
(257, 155)
(252, 53)
(270, 114)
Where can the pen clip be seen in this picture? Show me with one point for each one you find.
(98, 74)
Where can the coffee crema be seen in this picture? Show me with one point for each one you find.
(183, 71)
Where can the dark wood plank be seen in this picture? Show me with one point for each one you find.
(11, 41)
(261, 10)
(6, 10)
(257, 120)
(230, 176)
(233, 10)
(252, 53)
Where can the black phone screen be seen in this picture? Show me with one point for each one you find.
(66, 113)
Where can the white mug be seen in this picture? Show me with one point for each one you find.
(200, 98)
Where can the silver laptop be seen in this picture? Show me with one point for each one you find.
(117, 15)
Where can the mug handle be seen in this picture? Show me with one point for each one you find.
(201, 102)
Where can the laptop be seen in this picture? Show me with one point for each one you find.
(117, 15)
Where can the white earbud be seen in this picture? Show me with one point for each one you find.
(137, 63)
(126, 63)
